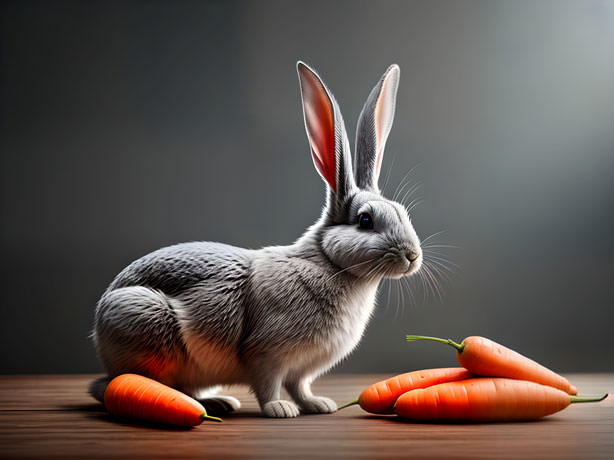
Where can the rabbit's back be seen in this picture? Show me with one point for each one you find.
(175, 269)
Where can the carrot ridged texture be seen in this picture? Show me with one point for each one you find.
(135, 396)
(482, 400)
(380, 397)
(485, 357)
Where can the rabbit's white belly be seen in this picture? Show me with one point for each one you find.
(209, 363)
(213, 364)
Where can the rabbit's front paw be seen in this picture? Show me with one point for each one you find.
(280, 408)
(318, 405)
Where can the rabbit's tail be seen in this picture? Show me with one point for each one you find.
(97, 388)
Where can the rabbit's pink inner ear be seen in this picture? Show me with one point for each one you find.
(384, 115)
(378, 161)
(320, 124)
(326, 173)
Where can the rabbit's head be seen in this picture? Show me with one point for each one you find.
(360, 231)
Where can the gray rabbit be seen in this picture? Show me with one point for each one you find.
(202, 314)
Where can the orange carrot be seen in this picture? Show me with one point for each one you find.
(485, 400)
(379, 398)
(135, 396)
(484, 357)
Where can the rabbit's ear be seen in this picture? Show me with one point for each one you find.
(326, 132)
(374, 126)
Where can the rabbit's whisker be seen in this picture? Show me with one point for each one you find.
(413, 204)
(410, 292)
(440, 270)
(437, 258)
(399, 292)
(373, 271)
(388, 294)
(423, 284)
(350, 268)
(397, 191)
(432, 235)
(388, 174)
(413, 189)
(427, 282)
(401, 190)
(429, 246)
(434, 282)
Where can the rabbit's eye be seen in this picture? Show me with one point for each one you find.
(365, 221)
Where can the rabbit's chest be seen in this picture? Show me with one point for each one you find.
(355, 312)
(345, 329)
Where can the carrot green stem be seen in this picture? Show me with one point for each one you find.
(459, 346)
(204, 416)
(581, 399)
(349, 404)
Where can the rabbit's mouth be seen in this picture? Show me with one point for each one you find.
(414, 266)
(408, 262)
(402, 267)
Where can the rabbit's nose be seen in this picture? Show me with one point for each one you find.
(412, 255)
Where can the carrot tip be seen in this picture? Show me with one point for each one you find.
(352, 403)
(204, 416)
(581, 399)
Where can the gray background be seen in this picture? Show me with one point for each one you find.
(128, 126)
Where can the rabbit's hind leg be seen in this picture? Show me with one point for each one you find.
(137, 331)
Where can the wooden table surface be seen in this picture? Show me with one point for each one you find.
(52, 416)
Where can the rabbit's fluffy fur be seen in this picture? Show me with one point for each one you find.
(196, 315)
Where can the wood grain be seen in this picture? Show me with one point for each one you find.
(52, 416)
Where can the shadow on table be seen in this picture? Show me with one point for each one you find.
(396, 419)
(110, 418)
(97, 411)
